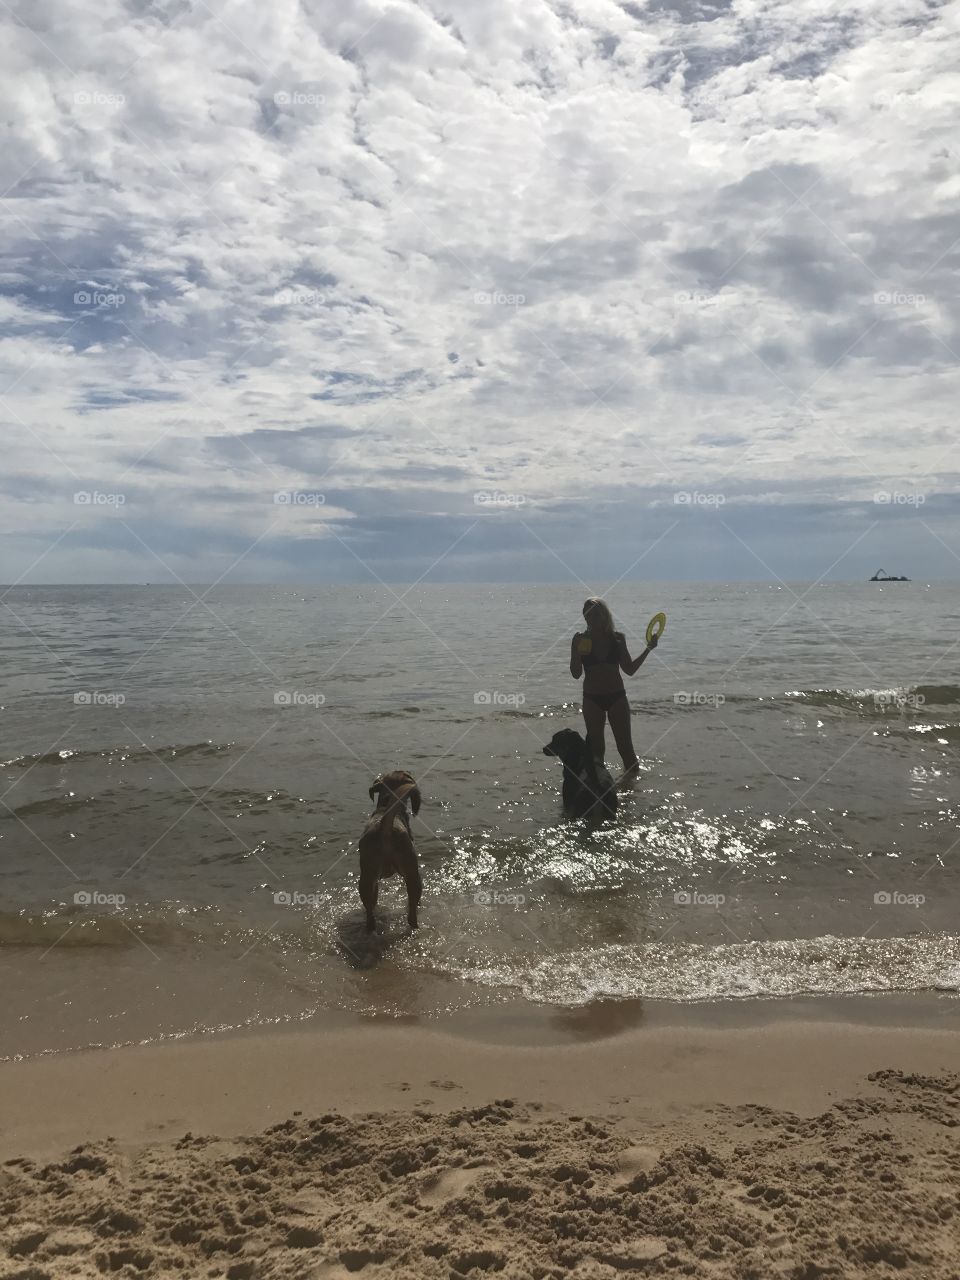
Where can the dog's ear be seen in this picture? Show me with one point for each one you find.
(415, 800)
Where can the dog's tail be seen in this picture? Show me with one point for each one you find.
(397, 801)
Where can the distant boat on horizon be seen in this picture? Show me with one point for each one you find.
(882, 576)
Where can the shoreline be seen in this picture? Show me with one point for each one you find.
(524, 1022)
(796, 1054)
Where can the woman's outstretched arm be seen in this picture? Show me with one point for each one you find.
(632, 665)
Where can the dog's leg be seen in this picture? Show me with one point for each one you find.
(414, 892)
(571, 789)
(369, 889)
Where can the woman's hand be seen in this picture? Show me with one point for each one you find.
(632, 665)
(576, 662)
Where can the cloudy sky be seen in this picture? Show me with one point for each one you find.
(479, 289)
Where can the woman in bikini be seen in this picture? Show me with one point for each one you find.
(600, 654)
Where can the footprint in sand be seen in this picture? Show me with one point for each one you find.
(444, 1186)
(634, 1160)
(445, 1084)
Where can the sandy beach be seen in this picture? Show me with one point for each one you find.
(790, 1147)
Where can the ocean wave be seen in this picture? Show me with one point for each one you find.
(539, 711)
(880, 701)
(696, 972)
(938, 693)
(390, 713)
(120, 754)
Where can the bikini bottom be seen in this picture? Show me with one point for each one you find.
(606, 700)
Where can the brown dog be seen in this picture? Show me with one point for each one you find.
(386, 845)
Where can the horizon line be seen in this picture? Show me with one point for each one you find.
(497, 582)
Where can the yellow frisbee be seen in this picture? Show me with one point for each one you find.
(655, 626)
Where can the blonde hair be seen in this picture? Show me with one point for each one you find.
(598, 606)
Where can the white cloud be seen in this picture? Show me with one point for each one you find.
(716, 254)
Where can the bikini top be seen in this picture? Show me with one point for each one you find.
(612, 660)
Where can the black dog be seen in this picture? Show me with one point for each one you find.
(588, 790)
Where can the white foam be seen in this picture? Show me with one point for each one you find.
(693, 972)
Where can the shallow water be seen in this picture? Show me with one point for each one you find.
(179, 840)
